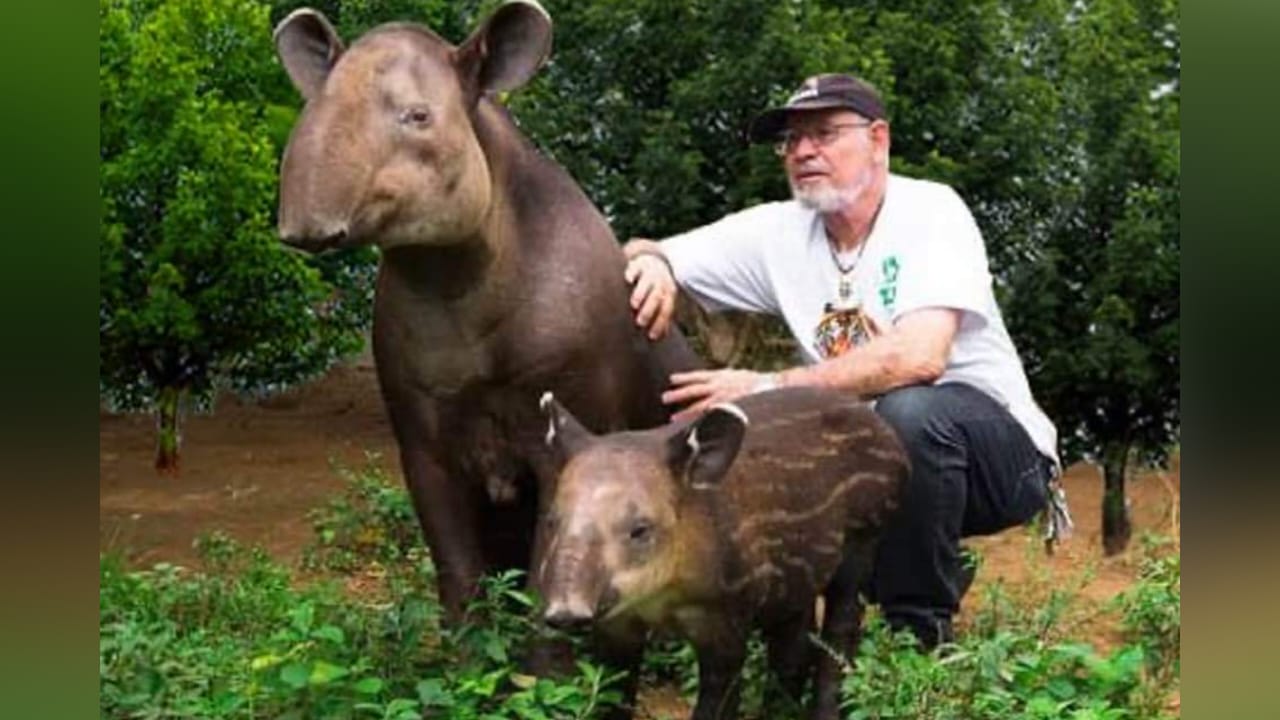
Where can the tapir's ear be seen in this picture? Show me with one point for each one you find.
(308, 46)
(703, 452)
(505, 52)
(565, 435)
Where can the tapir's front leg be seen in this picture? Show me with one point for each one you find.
(621, 649)
(722, 650)
(448, 511)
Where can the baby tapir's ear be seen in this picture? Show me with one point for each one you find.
(565, 435)
(703, 452)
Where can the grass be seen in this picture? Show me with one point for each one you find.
(245, 637)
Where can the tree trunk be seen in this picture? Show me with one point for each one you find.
(168, 431)
(1115, 510)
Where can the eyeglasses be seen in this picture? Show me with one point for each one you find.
(821, 136)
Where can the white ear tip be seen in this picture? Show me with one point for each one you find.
(733, 410)
(545, 401)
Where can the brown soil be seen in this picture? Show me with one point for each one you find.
(253, 470)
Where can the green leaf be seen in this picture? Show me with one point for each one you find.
(432, 693)
(1061, 688)
(332, 633)
(323, 673)
(495, 647)
(295, 675)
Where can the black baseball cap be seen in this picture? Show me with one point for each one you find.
(820, 92)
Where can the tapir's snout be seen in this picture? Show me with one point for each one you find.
(335, 235)
(568, 614)
(322, 179)
(571, 582)
(312, 216)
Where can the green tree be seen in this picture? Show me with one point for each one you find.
(450, 19)
(1098, 296)
(197, 294)
(645, 102)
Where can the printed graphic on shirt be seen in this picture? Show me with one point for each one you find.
(842, 328)
(889, 283)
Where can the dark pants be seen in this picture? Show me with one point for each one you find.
(974, 471)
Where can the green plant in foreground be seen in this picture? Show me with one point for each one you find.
(1152, 609)
(1006, 674)
(243, 641)
(372, 521)
(245, 638)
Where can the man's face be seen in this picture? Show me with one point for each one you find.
(833, 157)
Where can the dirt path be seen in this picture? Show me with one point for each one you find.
(254, 470)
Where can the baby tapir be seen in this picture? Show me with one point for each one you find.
(709, 529)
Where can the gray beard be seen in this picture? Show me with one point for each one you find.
(825, 199)
(829, 199)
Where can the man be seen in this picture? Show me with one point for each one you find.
(884, 282)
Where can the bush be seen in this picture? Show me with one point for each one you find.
(239, 640)
(243, 637)
(1012, 662)
(373, 521)
(1152, 610)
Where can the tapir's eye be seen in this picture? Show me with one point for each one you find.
(416, 115)
(641, 531)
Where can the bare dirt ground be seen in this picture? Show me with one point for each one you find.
(254, 470)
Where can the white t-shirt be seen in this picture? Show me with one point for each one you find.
(925, 250)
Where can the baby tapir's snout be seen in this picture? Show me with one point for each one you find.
(572, 582)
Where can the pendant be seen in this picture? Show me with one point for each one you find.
(846, 295)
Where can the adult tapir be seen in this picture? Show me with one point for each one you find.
(498, 278)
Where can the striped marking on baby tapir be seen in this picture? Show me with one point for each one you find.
(883, 454)
(750, 524)
(831, 544)
(757, 574)
(786, 462)
(787, 420)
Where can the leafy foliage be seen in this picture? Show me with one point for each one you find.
(196, 292)
(242, 640)
(451, 20)
(1098, 291)
(247, 638)
(1004, 675)
(372, 522)
(1153, 610)
(1012, 662)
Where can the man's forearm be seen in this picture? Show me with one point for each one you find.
(871, 369)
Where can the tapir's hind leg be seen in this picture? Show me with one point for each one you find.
(790, 657)
(841, 624)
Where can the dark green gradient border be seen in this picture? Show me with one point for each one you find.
(48, 291)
